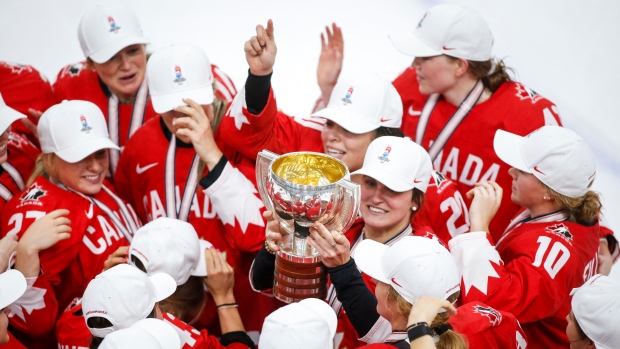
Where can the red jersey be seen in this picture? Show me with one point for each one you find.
(228, 213)
(530, 272)
(444, 208)
(23, 87)
(467, 157)
(71, 329)
(14, 173)
(100, 224)
(194, 339)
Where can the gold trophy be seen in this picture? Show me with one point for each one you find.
(303, 188)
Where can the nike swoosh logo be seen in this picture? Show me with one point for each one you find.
(539, 171)
(89, 213)
(385, 120)
(417, 181)
(396, 283)
(448, 48)
(414, 112)
(140, 170)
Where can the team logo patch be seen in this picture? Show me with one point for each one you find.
(178, 75)
(422, 20)
(562, 231)
(384, 157)
(85, 126)
(114, 28)
(347, 97)
(75, 69)
(33, 193)
(495, 318)
(524, 93)
(439, 178)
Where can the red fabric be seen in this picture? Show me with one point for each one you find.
(468, 156)
(22, 156)
(194, 339)
(71, 329)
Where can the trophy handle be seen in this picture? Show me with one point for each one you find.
(263, 160)
(350, 205)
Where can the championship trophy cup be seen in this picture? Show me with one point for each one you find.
(301, 189)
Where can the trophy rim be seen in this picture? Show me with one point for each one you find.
(282, 182)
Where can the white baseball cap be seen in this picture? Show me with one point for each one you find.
(124, 295)
(171, 246)
(363, 103)
(73, 130)
(8, 115)
(399, 163)
(147, 333)
(12, 286)
(309, 324)
(557, 156)
(596, 306)
(414, 266)
(104, 31)
(449, 29)
(176, 72)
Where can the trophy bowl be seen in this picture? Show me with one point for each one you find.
(303, 188)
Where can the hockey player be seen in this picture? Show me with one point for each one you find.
(69, 175)
(549, 248)
(184, 149)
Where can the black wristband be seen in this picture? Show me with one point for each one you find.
(418, 330)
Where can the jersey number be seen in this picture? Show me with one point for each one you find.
(555, 260)
(457, 204)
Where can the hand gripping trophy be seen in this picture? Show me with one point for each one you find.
(303, 188)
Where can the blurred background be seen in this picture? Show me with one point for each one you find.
(565, 50)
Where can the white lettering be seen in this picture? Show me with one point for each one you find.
(451, 164)
(467, 176)
(95, 250)
(108, 231)
(157, 208)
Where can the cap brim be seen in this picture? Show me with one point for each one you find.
(167, 102)
(8, 116)
(77, 152)
(12, 286)
(410, 45)
(164, 285)
(389, 180)
(201, 268)
(508, 148)
(105, 53)
(346, 120)
(367, 257)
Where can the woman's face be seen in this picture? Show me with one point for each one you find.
(435, 74)
(348, 147)
(527, 190)
(384, 209)
(85, 176)
(576, 342)
(384, 307)
(4, 142)
(4, 324)
(124, 72)
(170, 116)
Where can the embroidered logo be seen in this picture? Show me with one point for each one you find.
(178, 75)
(85, 126)
(495, 318)
(33, 193)
(524, 93)
(384, 157)
(347, 97)
(114, 28)
(422, 20)
(562, 231)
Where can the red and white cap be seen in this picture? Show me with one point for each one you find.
(555, 155)
(414, 266)
(398, 163)
(176, 72)
(124, 295)
(8, 115)
(596, 306)
(73, 130)
(147, 333)
(104, 31)
(171, 246)
(449, 29)
(12, 286)
(363, 103)
(310, 324)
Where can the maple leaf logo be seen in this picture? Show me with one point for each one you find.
(474, 251)
(236, 110)
(30, 301)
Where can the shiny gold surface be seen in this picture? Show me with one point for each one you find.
(309, 169)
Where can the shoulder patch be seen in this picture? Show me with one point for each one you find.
(525, 93)
(562, 231)
(495, 317)
(73, 69)
(33, 193)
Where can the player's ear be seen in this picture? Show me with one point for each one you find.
(461, 66)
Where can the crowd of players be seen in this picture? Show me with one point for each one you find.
(131, 218)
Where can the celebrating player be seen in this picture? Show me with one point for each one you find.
(185, 149)
(549, 248)
(69, 175)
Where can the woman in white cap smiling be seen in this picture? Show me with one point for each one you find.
(189, 174)
(70, 174)
(114, 74)
(550, 247)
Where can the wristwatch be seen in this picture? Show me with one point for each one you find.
(418, 330)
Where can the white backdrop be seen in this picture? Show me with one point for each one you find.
(566, 50)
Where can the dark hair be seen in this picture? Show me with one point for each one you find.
(388, 131)
(187, 302)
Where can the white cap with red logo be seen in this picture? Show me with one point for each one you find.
(449, 29)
